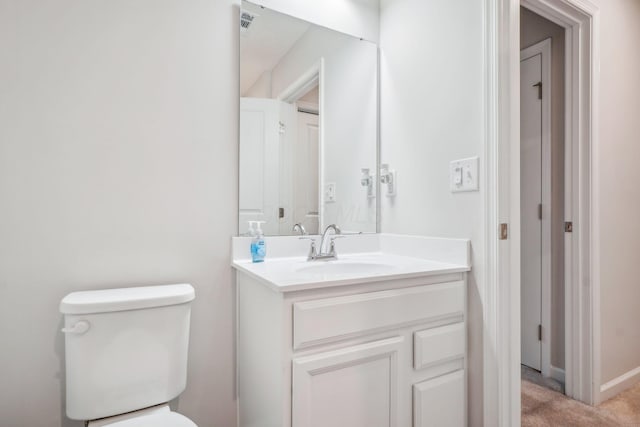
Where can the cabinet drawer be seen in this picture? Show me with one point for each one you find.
(437, 345)
(328, 319)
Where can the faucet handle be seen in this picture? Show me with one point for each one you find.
(332, 245)
(332, 240)
(313, 240)
(312, 249)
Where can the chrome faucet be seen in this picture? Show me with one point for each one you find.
(299, 228)
(323, 243)
(321, 255)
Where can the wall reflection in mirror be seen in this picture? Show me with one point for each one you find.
(308, 126)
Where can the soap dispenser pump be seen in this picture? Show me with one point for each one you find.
(251, 231)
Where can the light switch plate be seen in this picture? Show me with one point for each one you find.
(330, 192)
(463, 175)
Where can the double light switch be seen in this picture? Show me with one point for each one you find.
(464, 175)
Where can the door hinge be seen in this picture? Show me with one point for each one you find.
(540, 211)
(539, 332)
(568, 227)
(280, 213)
(504, 231)
(539, 86)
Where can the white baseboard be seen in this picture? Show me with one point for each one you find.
(619, 384)
(557, 374)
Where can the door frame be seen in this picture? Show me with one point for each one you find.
(543, 48)
(580, 18)
(314, 75)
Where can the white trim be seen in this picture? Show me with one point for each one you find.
(619, 384)
(501, 297)
(490, 370)
(557, 374)
(543, 48)
(321, 145)
(303, 84)
(501, 390)
(502, 283)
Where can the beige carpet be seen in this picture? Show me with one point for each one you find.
(542, 407)
(625, 407)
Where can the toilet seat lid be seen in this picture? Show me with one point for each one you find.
(163, 419)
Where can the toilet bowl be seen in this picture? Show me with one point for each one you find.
(126, 355)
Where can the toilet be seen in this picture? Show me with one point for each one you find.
(126, 355)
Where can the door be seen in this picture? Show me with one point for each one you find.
(307, 171)
(353, 387)
(440, 401)
(530, 202)
(259, 162)
(535, 201)
(299, 169)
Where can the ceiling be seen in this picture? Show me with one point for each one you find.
(269, 37)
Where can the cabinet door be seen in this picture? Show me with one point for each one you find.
(440, 401)
(351, 387)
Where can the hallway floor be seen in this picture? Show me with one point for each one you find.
(533, 376)
(543, 407)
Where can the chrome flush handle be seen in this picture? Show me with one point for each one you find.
(79, 328)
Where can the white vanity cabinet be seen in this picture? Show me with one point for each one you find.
(381, 354)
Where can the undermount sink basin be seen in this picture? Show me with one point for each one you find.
(328, 268)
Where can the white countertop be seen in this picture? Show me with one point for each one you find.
(292, 274)
(391, 257)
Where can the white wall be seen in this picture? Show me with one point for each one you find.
(355, 17)
(432, 80)
(534, 29)
(350, 88)
(619, 208)
(261, 88)
(118, 166)
(118, 147)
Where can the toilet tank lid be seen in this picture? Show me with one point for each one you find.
(107, 300)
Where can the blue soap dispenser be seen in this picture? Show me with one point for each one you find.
(258, 244)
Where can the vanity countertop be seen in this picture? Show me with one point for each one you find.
(295, 274)
(392, 257)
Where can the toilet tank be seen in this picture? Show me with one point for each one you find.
(125, 349)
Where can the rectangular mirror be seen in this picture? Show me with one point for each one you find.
(308, 125)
